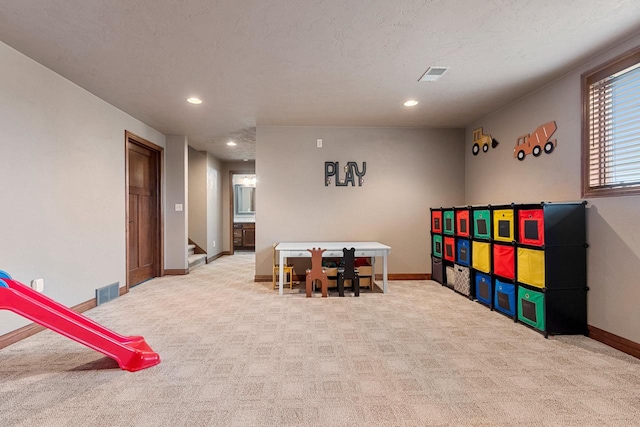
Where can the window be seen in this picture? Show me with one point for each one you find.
(611, 127)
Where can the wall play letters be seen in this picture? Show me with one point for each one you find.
(332, 169)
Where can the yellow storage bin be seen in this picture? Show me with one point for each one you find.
(364, 272)
(531, 267)
(503, 225)
(481, 256)
(332, 273)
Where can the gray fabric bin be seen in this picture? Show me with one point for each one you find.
(437, 270)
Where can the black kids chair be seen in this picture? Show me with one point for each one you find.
(348, 271)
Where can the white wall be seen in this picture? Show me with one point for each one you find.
(613, 228)
(198, 198)
(176, 223)
(62, 183)
(205, 201)
(214, 206)
(408, 171)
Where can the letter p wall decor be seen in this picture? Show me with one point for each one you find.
(351, 171)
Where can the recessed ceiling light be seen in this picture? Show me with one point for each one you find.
(411, 103)
(194, 100)
(231, 144)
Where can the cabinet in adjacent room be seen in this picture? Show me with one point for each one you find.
(244, 235)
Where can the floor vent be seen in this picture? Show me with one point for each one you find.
(107, 293)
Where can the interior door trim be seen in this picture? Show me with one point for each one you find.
(159, 250)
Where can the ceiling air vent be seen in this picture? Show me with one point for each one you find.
(432, 74)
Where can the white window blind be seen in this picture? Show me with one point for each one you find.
(614, 130)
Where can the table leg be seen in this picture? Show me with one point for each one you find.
(384, 273)
(281, 276)
(373, 271)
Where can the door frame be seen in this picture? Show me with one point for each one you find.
(231, 205)
(158, 255)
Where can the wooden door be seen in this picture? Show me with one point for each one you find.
(143, 262)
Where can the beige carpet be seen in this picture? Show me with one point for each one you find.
(234, 353)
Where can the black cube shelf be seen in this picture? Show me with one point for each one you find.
(531, 258)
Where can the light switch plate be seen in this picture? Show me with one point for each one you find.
(178, 207)
(37, 285)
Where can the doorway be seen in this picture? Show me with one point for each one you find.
(242, 190)
(143, 175)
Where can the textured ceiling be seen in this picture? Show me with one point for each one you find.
(286, 62)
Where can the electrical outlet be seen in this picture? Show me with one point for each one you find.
(319, 143)
(214, 243)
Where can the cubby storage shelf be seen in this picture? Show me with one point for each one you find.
(526, 261)
(451, 230)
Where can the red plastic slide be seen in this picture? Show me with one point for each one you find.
(131, 353)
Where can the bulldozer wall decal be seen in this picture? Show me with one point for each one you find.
(482, 142)
(537, 142)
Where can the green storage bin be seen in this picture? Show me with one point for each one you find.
(437, 245)
(531, 308)
(482, 224)
(449, 221)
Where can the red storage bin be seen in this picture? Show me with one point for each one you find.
(531, 227)
(449, 249)
(462, 223)
(504, 261)
(436, 221)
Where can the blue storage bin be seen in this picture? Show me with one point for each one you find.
(484, 288)
(504, 299)
(463, 252)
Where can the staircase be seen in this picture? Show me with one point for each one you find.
(195, 260)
